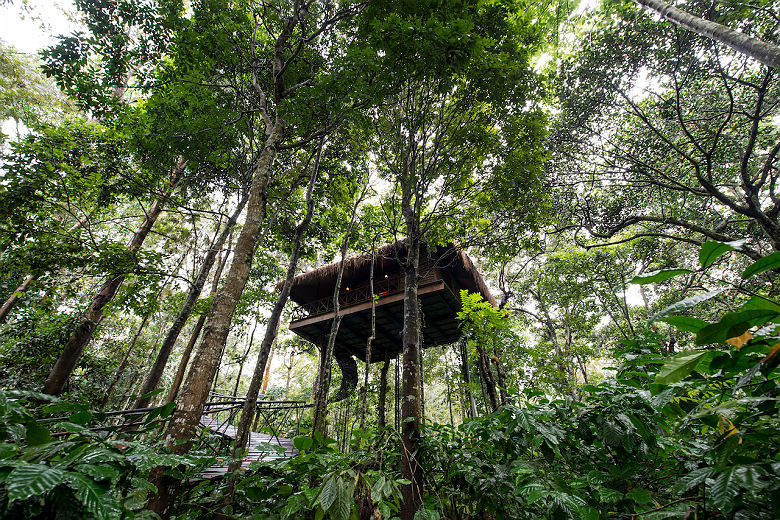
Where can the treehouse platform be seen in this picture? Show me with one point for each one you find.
(443, 273)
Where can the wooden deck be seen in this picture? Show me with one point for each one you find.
(262, 446)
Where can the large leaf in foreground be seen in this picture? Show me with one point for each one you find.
(679, 367)
(658, 276)
(685, 323)
(763, 264)
(32, 480)
(684, 304)
(712, 250)
(733, 324)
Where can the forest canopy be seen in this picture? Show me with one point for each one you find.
(412, 259)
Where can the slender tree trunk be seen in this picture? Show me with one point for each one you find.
(449, 398)
(764, 52)
(243, 359)
(123, 365)
(9, 304)
(397, 395)
(500, 374)
(196, 330)
(369, 340)
(65, 364)
(464, 363)
(487, 377)
(321, 395)
(289, 376)
(195, 391)
(381, 420)
(267, 376)
(250, 401)
(411, 469)
(156, 373)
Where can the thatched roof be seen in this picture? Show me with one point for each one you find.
(318, 283)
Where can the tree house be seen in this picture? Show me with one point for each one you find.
(443, 273)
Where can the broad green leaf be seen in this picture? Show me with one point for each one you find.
(685, 304)
(685, 323)
(724, 489)
(35, 434)
(328, 494)
(640, 496)
(771, 261)
(343, 502)
(98, 472)
(94, 497)
(711, 250)
(81, 418)
(693, 479)
(679, 367)
(733, 324)
(658, 276)
(302, 443)
(32, 480)
(609, 496)
(759, 303)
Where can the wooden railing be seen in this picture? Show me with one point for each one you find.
(350, 296)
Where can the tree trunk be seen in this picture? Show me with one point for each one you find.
(14, 298)
(381, 420)
(369, 340)
(243, 359)
(123, 365)
(267, 376)
(195, 391)
(410, 400)
(500, 375)
(155, 374)
(250, 401)
(487, 377)
(65, 364)
(321, 394)
(196, 330)
(289, 376)
(764, 52)
(464, 364)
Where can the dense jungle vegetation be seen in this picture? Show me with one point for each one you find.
(611, 168)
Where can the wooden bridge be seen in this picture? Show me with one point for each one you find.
(220, 416)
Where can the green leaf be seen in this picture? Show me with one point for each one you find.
(685, 323)
(733, 324)
(81, 418)
(609, 496)
(302, 443)
(35, 434)
(640, 496)
(94, 497)
(758, 303)
(771, 261)
(328, 494)
(658, 276)
(679, 367)
(711, 250)
(32, 480)
(685, 304)
(98, 472)
(343, 502)
(724, 489)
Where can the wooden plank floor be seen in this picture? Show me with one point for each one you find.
(262, 446)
